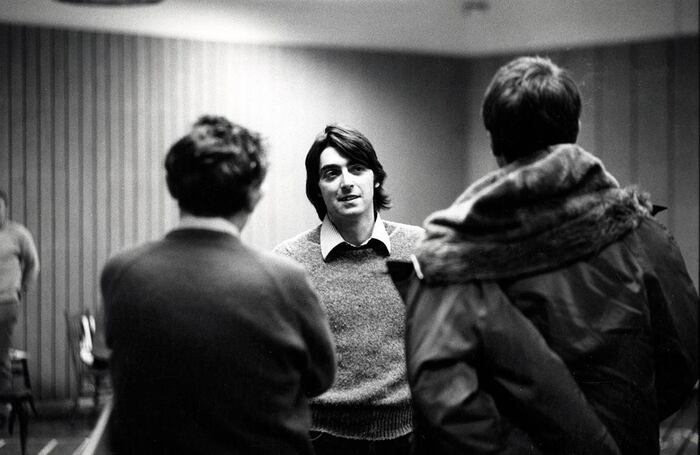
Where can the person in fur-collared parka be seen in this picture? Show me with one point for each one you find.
(548, 312)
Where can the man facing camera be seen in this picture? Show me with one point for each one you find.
(368, 409)
(547, 291)
(216, 346)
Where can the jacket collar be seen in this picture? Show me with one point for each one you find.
(529, 217)
(217, 224)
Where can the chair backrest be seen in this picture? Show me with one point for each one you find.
(87, 333)
(74, 333)
(81, 330)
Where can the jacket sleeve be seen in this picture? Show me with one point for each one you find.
(320, 371)
(480, 372)
(673, 305)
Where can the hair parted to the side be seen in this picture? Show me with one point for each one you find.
(355, 147)
(211, 170)
(530, 104)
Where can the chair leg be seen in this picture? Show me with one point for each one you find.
(31, 404)
(23, 415)
(11, 419)
(76, 399)
(96, 394)
(19, 411)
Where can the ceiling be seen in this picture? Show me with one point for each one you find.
(451, 27)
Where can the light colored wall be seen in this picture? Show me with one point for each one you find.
(86, 119)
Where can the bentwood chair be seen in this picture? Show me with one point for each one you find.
(90, 360)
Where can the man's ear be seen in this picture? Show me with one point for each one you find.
(253, 197)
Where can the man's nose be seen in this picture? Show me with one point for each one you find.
(346, 180)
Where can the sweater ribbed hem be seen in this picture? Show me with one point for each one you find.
(372, 423)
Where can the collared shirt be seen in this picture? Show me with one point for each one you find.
(331, 238)
(209, 223)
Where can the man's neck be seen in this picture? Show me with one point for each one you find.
(238, 219)
(355, 231)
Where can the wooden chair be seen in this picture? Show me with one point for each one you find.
(19, 400)
(19, 397)
(20, 367)
(90, 360)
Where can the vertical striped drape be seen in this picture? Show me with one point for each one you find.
(86, 119)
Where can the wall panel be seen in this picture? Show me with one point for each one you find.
(615, 112)
(59, 359)
(88, 176)
(651, 104)
(582, 64)
(45, 236)
(5, 120)
(684, 133)
(31, 169)
(58, 165)
(86, 119)
(480, 160)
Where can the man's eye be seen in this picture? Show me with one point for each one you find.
(328, 175)
(358, 168)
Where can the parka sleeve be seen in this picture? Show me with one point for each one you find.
(481, 375)
(673, 306)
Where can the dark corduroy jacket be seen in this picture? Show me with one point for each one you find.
(216, 348)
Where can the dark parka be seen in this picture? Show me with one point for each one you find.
(488, 346)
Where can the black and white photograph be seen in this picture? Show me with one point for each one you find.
(349, 227)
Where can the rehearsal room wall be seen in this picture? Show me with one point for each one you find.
(86, 119)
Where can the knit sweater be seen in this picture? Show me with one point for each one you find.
(370, 398)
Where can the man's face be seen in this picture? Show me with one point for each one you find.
(3, 213)
(347, 188)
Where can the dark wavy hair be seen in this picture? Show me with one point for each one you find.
(530, 104)
(211, 170)
(355, 147)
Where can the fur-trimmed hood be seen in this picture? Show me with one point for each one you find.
(531, 216)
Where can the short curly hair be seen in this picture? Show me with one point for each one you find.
(530, 104)
(211, 170)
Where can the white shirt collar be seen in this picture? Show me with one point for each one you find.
(331, 238)
(209, 223)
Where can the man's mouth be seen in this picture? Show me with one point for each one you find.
(347, 198)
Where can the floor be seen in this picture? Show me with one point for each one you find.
(55, 432)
